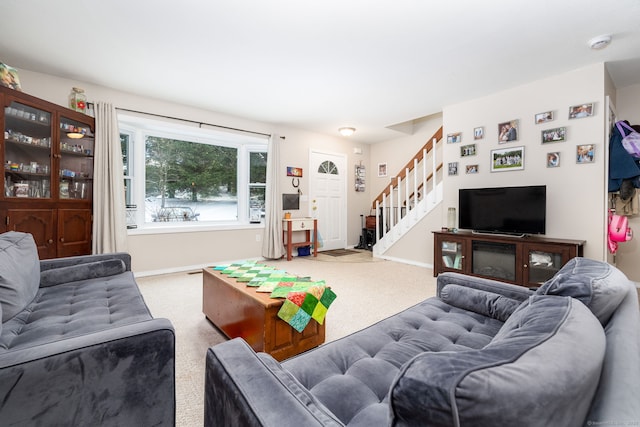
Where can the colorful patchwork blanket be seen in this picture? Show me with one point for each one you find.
(305, 299)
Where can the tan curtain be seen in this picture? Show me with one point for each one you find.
(272, 246)
(109, 213)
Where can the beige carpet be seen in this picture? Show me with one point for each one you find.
(368, 290)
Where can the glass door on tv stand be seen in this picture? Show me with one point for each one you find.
(452, 255)
(27, 152)
(76, 160)
(543, 264)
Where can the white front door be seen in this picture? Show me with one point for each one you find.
(328, 194)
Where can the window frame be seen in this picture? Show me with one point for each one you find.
(138, 128)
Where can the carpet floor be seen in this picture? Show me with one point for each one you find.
(368, 290)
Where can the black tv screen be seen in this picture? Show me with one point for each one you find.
(509, 210)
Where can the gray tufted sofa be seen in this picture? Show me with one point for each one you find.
(78, 346)
(480, 353)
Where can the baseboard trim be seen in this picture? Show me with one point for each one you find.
(407, 261)
(190, 268)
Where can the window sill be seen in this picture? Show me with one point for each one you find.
(151, 229)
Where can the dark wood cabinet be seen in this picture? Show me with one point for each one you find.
(527, 261)
(41, 223)
(47, 155)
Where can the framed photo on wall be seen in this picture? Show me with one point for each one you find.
(554, 135)
(478, 133)
(472, 168)
(468, 150)
(585, 153)
(454, 137)
(508, 131)
(580, 111)
(382, 170)
(507, 159)
(453, 168)
(360, 178)
(293, 171)
(547, 116)
(553, 159)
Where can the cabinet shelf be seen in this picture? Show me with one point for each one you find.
(33, 119)
(22, 174)
(37, 146)
(75, 153)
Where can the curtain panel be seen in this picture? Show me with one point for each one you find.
(109, 213)
(272, 245)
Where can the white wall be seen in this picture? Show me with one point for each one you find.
(575, 204)
(628, 108)
(575, 192)
(159, 253)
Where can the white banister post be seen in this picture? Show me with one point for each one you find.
(378, 220)
(433, 166)
(415, 182)
(384, 215)
(391, 211)
(424, 177)
(406, 191)
(399, 214)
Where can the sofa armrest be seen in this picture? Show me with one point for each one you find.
(47, 264)
(127, 372)
(243, 388)
(516, 292)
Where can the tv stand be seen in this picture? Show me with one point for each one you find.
(521, 260)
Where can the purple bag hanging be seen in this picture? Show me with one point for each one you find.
(630, 141)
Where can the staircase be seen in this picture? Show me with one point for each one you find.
(413, 193)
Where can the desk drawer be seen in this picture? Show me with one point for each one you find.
(299, 224)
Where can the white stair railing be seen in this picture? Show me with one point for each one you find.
(396, 215)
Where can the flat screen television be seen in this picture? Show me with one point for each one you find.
(508, 210)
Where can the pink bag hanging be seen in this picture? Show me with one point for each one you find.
(630, 141)
(619, 230)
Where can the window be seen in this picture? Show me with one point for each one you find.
(125, 145)
(257, 185)
(328, 167)
(188, 177)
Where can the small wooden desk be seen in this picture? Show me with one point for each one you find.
(300, 224)
(239, 311)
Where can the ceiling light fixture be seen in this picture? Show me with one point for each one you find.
(600, 42)
(346, 131)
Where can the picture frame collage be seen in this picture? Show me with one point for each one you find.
(511, 157)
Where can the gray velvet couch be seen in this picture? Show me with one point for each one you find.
(480, 353)
(78, 346)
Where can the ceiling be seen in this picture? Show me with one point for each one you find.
(319, 65)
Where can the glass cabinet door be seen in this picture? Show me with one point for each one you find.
(452, 256)
(543, 264)
(27, 152)
(76, 160)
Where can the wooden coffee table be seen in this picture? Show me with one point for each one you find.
(239, 311)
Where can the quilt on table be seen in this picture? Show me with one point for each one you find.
(302, 306)
(305, 299)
